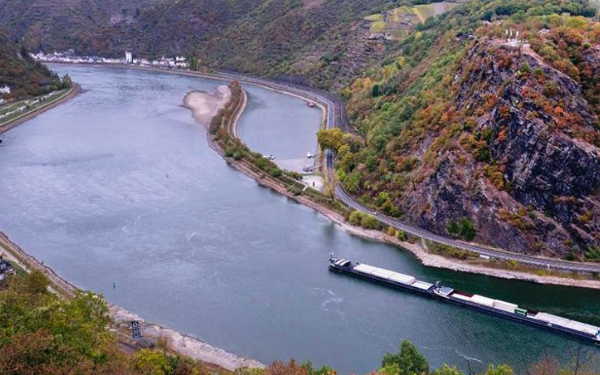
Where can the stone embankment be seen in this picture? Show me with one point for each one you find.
(74, 91)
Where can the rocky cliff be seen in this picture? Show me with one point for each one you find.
(522, 169)
(474, 136)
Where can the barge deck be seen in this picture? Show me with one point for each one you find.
(583, 331)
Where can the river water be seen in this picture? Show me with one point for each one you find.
(119, 186)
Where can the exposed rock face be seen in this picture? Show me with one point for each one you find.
(525, 169)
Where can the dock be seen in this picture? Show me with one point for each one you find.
(508, 310)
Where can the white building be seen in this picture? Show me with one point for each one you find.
(128, 57)
(5, 90)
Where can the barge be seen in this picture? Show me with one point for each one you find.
(583, 331)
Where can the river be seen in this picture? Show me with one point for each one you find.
(119, 186)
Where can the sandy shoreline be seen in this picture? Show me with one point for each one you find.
(182, 343)
(204, 105)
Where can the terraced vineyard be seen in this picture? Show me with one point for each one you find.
(397, 23)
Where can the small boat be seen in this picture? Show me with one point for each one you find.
(310, 104)
(309, 155)
(271, 157)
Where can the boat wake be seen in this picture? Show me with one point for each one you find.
(467, 357)
(332, 298)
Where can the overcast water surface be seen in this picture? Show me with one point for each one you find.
(119, 186)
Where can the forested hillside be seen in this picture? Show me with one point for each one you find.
(322, 42)
(477, 137)
(65, 24)
(23, 76)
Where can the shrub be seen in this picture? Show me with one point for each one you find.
(452, 228)
(401, 235)
(408, 361)
(355, 218)
(593, 254)
(370, 222)
(276, 172)
(264, 164)
(295, 190)
(467, 230)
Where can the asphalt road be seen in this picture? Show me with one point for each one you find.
(336, 117)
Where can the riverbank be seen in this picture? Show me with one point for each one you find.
(204, 105)
(427, 258)
(419, 249)
(179, 343)
(70, 94)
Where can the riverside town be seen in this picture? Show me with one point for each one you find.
(70, 57)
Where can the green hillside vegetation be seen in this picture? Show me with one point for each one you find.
(21, 74)
(41, 334)
(438, 139)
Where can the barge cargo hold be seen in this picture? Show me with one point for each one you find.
(491, 306)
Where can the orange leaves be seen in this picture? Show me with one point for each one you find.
(502, 135)
(503, 59)
(504, 112)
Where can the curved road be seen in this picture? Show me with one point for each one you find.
(336, 117)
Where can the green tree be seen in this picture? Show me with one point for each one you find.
(194, 63)
(370, 222)
(375, 91)
(467, 229)
(409, 361)
(352, 182)
(452, 227)
(500, 370)
(152, 362)
(70, 332)
(35, 283)
(447, 370)
(330, 138)
(355, 218)
(276, 172)
(66, 82)
(402, 236)
(593, 254)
